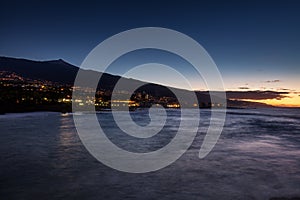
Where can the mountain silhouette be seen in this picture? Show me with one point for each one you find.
(56, 71)
(61, 72)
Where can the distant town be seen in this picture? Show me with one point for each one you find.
(23, 94)
(27, 86)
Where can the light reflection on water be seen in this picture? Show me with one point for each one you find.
(257, 157)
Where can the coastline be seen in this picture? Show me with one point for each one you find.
(63, 108)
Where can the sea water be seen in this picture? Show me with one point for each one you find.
(256, 157)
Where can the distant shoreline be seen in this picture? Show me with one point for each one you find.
(68, 108)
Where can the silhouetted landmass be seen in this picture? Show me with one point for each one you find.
(28, 85)
(57, 71)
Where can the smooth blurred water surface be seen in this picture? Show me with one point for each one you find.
(257, 157)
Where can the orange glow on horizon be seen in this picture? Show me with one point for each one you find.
(293, 100)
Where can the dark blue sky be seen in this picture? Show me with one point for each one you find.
(245, 38)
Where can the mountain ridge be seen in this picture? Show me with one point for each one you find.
(62, 72)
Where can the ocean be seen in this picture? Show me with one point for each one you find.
(256, 157)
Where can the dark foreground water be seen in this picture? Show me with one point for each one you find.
(257, 157)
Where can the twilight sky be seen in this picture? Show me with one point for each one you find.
(255, 44)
